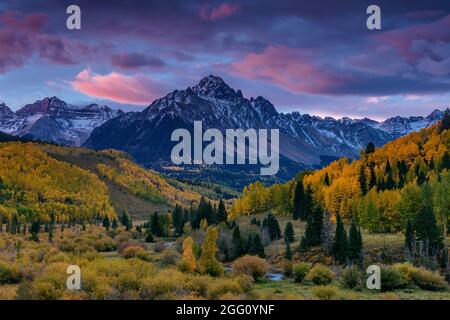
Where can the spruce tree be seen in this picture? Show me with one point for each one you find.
(126, 220)
(114, 224)
(445, 161)
(34, 230)
(149, 237)
(326, 180)
(340, 242)
(370, 148)
(299, 195)
(289, 233)
(362, 180)
(221, 215)
(355, 245)
(238, 246)
(288, 252)
(390, 184)
(273, 227)
(313, 232)
(307, 204)
(178, 219)
(154, 225)
(106, 223)
(373, 178)
(256, 247)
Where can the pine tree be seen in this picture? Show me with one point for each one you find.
(126, 220)
(445, 162)
(288, 252)
(373, 178)
(34, 230)
(390, 184)
(106, 223)
(313, 232)
(255, 246)
(307, 204)
(149, 237)
(222, 214)
(370, 148)
(154, 225)
(238, 246)
(289, 233)
(425, 227)
(114, 224)
(326, 180)
(299, 195)
(340, 242)
(362, 180)
(178, 219)
(355, 245)
(273, 227)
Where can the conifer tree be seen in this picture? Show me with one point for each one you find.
(373, 178)
(238, 246)
(222, 214)
(154, 225)
(289, 233)
(126, 220)
(255, 246)
(355, 245)
(390, 184)
(273, 227)
(370, 148)
(114, 224)
(362, 180)
(34, 230)
(178, 219)
(106, 223)
(288, 252)
(299, 195)
(340, 242)
(313, 232)
(149, 237)
(445, 162)
(326, 180)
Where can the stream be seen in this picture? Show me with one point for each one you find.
(272, 276)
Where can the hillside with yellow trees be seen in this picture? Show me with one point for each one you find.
(382, 191)
(57, 184)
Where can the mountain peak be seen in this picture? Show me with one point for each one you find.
(214, 87)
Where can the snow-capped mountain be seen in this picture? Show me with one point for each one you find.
(305, 140)
(54, 120)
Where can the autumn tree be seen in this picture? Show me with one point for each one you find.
(188, 262)
(208, 263)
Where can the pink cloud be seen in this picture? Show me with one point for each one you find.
(136, 90)
(289, 68)
(403, 39)
(223, 11)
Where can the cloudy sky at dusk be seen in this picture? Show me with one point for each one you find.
(315, 57)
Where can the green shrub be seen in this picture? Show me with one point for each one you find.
(9, 274)
(223, 286)
(252, 266)
(324, 292)
(352, 277)
(300, 270)
(420, 277)
(391, 279)
(320, 275)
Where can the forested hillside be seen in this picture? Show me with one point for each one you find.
(382, 191)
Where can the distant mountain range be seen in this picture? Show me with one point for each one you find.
(305, 141)
(56, 121)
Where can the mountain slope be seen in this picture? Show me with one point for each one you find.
(53, 120)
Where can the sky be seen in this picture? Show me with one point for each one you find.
(315, 57)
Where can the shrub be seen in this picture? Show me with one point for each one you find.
(320, 275)
(420, 277)
(287, 268)
(251, 266)
(167, 284)
(300, 271)
(324, 292)
(169, 257)
(224, 286)
(352, 277)
(136, 252)
(131, 243)
(9, 275)
(105, 245)
(391, 279)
